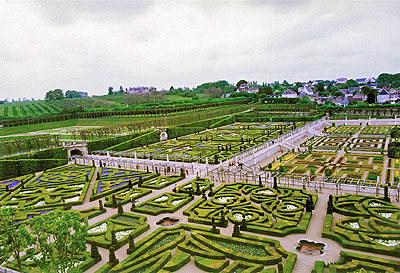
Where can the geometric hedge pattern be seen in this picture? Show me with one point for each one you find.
(366, 223)
(265, 210)
(211, 252)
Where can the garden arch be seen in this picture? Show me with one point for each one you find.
(77, 150)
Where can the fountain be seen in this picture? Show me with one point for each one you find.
(311, 247)
(168, 222)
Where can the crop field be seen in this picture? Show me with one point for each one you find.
(29, 109)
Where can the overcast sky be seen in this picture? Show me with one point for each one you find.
(92, 45)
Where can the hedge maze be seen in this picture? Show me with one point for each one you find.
(170, 249)
(364, 223)
(257, 209)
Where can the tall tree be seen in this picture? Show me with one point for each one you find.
(56, 94)
(239, 83)
(110, 90)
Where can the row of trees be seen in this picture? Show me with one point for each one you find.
(56, 241)
(27, 144)
(386, 79)
(57, 94)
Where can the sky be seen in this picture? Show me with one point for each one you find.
(91, 45)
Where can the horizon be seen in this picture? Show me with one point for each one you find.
(89, 46)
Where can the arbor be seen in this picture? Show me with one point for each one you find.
(56, 94)
(60, 240)
(13, 239)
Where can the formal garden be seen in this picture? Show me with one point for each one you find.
(127, 220)
(225, 228)
(212, 145)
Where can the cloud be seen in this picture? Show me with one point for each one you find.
(92, 45)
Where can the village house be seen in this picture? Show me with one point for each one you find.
(289, 93)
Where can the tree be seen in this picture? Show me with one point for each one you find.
(265, 90)
(305, 100)
(73, 94)
(56, 94)
(61, 240)
(371, 97)
(13, 239)
(370, 93)
(320, 87)
(239, 83)
(110, 90)
(328, 172)
(352, 83)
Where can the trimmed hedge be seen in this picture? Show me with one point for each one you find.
(174, 132)
(138, 227)
(13, 168)
(144, 139)
(350, 262)
(211, 252)
(103, 144)
(53, 153)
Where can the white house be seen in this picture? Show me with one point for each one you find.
(289, 93)
(383, 96)
(394, 95)
(306, 89)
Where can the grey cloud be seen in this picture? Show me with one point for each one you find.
(68, 12)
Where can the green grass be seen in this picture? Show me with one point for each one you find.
(35, 127)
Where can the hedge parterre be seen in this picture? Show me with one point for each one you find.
(212, 252)
(366, 223)
(277, 212)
